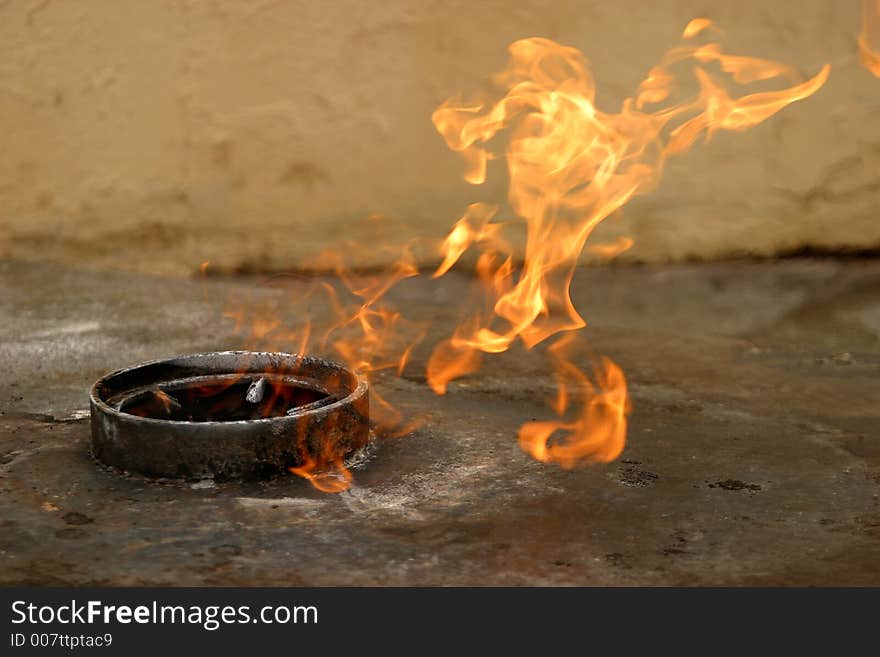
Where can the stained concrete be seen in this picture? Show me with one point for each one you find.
(753, 454)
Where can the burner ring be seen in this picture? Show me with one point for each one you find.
(155, 418)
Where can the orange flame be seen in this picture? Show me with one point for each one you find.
(328, 474)
(598, 433)
(696, 26)
(868, 53)
(362, 331)
(609, 251)
(570, 166)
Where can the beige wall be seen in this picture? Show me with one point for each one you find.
(155, 135)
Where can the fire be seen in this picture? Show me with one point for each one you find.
(327, 473)
(361, 330)
(598, 433)
(868, 54)
(370, 335)
(609, 251)
(570, 166)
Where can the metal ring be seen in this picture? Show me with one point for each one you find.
(328, 429)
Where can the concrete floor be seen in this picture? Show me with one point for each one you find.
(753, 454)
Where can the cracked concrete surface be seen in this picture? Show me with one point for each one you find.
(753, 454)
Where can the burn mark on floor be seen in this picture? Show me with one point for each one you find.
(76, 518)
(630, 475)
(670, 551)
(680, 542)
(618, 560)
(735, 484)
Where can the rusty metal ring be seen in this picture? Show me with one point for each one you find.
(332, 427)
